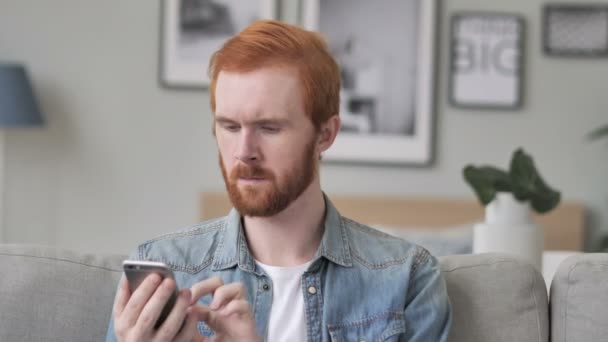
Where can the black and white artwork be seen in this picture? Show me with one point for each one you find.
(385, 50)
(486, 60)
(194, 29)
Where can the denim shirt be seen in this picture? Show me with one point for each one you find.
(363, 285)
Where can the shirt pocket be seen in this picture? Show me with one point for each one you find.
(385, 326)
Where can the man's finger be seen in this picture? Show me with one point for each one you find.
(122, 297)
(140, 297)
(205, 287)
(239, 307)
(227, 293)
(201, 313)
(154, 306)
(189, 331)
(176, 319)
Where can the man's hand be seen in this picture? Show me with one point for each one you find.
(136, 313)
(228, 315)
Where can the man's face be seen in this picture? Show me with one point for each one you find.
(267, 145)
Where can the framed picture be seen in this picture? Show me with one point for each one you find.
(386, 53)
(486, 60)
(192, 30)
(575, 30)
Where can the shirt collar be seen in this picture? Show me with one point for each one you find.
(334, 243)
(232, 246)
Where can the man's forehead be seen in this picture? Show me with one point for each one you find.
(261, 94)
(264, 76)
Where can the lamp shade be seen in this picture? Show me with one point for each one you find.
(18, 106)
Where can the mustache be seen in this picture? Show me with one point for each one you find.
(249, 171)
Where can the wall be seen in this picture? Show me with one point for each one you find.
(122, 159)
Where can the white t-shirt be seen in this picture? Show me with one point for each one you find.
(287, 318)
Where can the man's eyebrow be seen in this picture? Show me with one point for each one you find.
(269, 121)
(220, 118)
(259, 122)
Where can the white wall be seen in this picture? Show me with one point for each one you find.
(122, 159)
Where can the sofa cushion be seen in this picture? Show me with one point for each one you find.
(579, 299)
(44, 289)
(495, 298)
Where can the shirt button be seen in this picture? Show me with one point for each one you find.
(312, 290)
(265, 287)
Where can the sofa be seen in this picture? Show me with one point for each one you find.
(51, 294)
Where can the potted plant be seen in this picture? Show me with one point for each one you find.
(522, 180)
(509, 196)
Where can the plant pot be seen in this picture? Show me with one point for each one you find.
(508, 228)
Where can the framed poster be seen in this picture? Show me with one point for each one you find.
(575, 30)
(192, 30)
(486, 60)
(387, 71)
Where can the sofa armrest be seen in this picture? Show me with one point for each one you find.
(579, 299)
(50, 294)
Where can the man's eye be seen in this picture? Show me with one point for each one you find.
(231, 128)
(270, 129)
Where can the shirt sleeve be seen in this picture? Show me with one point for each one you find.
(110, 336)
(428, 312)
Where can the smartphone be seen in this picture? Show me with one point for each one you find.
(136, 271)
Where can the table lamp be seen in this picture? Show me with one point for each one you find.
(18, 108)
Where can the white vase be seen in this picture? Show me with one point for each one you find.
(508, 228)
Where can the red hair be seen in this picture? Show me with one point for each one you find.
(270, 43)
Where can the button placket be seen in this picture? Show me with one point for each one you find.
(313, 300)
(263, 303)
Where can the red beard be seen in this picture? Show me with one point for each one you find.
(272, 196)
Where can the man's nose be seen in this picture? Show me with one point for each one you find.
(247, 151)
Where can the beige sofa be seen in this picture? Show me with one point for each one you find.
(49, 294)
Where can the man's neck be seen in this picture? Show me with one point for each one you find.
(291, 237)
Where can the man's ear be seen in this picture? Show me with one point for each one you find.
(328, 132)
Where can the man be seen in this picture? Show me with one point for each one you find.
(283, 265)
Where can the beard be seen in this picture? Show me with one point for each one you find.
(274, 194)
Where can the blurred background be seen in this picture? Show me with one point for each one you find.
(121, 158)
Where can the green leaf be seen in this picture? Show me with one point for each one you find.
(523, 174)
(545, 200)
(529, 185)
(486, 181)
(598, 133)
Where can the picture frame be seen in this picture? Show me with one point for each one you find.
(575, 30)
(388, 77)
(192, 30)
(486, 60)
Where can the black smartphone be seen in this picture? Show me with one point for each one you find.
(136, 271)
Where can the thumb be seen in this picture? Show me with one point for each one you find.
(200, 338)
(201, 313)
